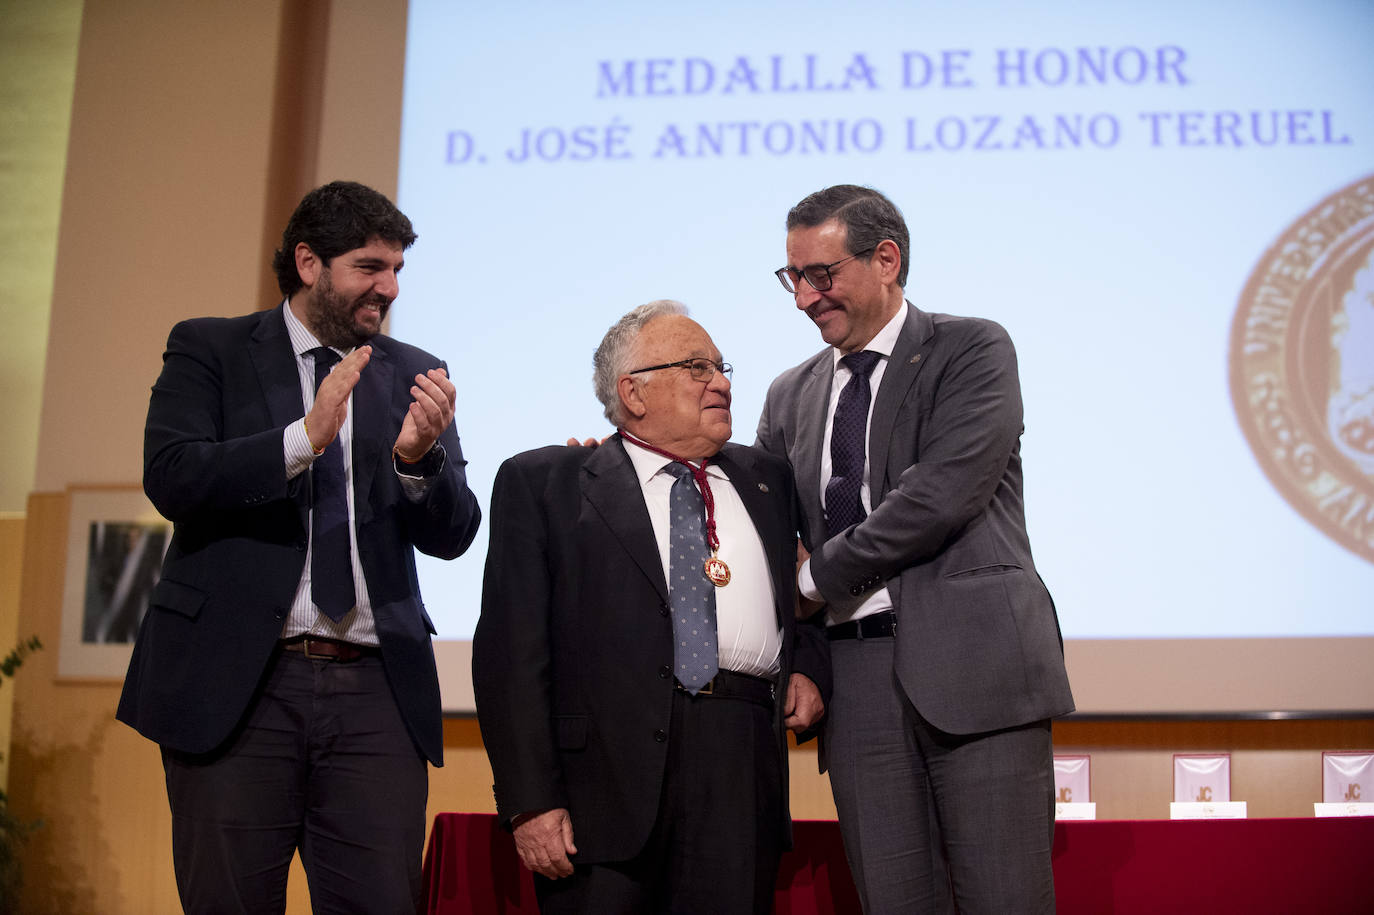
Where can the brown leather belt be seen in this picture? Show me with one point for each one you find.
(329, 649)
(727, 684)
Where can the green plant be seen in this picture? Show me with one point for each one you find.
(15, 658)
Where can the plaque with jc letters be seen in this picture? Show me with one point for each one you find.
(1347, 778)
(1202, 779)
(1202, 788)
(1073, 788)
(1347, 784)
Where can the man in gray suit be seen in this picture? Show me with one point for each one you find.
(947, 659)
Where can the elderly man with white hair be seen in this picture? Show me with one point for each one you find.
(637, 661)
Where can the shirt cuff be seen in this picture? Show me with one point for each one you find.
(416, 479)
(296, 450)
(806, 584)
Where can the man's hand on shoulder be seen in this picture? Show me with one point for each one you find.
(544, 841)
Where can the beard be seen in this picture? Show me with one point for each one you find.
(341, 323)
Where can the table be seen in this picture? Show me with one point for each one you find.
(1123, 866)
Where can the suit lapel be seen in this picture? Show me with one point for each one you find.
(274, 361)
(813, 402)
(761, 504)
(908, 356)
(610, 485)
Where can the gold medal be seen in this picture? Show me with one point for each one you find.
(718, 572)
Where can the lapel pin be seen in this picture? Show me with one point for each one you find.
(763, 487)
(915, 359)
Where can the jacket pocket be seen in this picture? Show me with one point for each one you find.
(994, 568)
(177, 597)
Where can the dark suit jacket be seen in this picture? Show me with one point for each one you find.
(978, 643)
(213, 465)
(572, 660)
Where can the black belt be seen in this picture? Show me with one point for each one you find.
(878, 626)
(727, 684)
(329, 649)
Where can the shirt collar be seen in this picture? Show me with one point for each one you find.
(647, 464)
(884, 341)
(302, 340)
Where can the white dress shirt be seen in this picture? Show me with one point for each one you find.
(747, 634)
(305, 618)
(882, 343)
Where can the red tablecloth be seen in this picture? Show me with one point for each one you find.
(1123, 866)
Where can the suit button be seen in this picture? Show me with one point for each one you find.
(660, 735)
(662, 609)
(856, 590)
(665, 671)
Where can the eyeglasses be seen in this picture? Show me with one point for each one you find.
(818, 275)
(701, 369)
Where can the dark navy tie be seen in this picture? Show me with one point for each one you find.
(331, 553)
(691, 596)
(843, 508)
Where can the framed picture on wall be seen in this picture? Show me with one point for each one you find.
(115, 544)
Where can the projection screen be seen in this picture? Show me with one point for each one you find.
(1170, 207)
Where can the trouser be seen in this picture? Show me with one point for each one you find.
(928, 815)
(717, 840)
(323, 764)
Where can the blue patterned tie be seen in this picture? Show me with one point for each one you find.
(843, 508)
(691, 595)
(331, 553)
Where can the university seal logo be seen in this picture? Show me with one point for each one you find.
(1302, 365)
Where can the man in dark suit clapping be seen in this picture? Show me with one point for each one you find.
(284, 665)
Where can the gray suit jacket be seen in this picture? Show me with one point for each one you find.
(978, 643)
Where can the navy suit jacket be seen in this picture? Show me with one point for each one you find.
(978, 643)
(573, 655)
(213, 465)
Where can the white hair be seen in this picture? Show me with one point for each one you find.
(613, 357)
